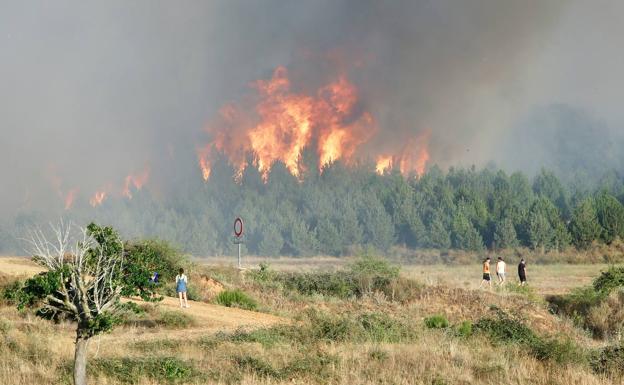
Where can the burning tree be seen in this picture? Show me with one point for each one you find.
(83, 282)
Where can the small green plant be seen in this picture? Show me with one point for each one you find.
(175, 319)
(437, 321)
(236, 298)
(464, 329)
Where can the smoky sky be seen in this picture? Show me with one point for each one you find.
(93, 91)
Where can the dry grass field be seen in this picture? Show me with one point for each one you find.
(295, 337)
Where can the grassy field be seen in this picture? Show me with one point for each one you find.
(431, 325)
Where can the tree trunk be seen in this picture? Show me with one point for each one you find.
(80, 361)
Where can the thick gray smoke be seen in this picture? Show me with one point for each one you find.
(90, 92)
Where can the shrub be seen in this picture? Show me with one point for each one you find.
(175, 320)
(575, 304)
(338, 284)
(317, 326)
(236, 298)
(130, 370)
(464, 329)
(506, 329)
(436, 322)
(309, 364)
(607, 319)
(609, 360)
(609, 280)
(131, 307)
(373, 273)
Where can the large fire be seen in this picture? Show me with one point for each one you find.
(330, 121)
(134, 180)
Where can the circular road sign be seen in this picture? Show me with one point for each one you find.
(238, 227)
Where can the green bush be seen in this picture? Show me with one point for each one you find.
(236, 298)
(129, 370)
(437, 321)
(609, 280)
(317, 326)
(506, 329)
(464, 329)
(175, 320)
(609, 360)
(337, 284)
(131, 307)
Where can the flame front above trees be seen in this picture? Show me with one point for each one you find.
(135, 180)
(97, 198)
(330, 121)
(412, 158)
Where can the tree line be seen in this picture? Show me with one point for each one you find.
(340, 207)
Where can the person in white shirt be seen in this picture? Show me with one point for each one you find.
(500, 271)
(181, 281)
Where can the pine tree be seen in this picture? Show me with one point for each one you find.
(505, 234)
(584, 225)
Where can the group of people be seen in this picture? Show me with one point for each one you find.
(501, 272)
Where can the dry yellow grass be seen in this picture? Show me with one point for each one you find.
(33, 351)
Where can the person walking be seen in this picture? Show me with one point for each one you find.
(500, 271)
(181, 282)
(486, 273)
(522, 272)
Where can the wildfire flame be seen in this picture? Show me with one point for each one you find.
(286, 122)
(137, 181)
(384, 163)
(413, 157)
(70, 197)
(97, 198)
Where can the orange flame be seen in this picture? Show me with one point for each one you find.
(384, 163)
(97, 198)
(70, 197)
(412, 158)
(137, 181)
(287, 122)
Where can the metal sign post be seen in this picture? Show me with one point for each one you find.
(238, 233)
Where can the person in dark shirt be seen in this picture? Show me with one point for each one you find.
(522, 272)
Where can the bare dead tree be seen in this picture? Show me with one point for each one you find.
(89, 262)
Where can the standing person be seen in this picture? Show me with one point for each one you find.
(486, 273)
(181, 281)
(522, 272)
(500, 271)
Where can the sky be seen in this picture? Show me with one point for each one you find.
(91, 92)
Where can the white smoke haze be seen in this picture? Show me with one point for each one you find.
(92, 92)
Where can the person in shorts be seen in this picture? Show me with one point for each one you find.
(487, 280)
(181, 282)
(522, 272)
(500, 271)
